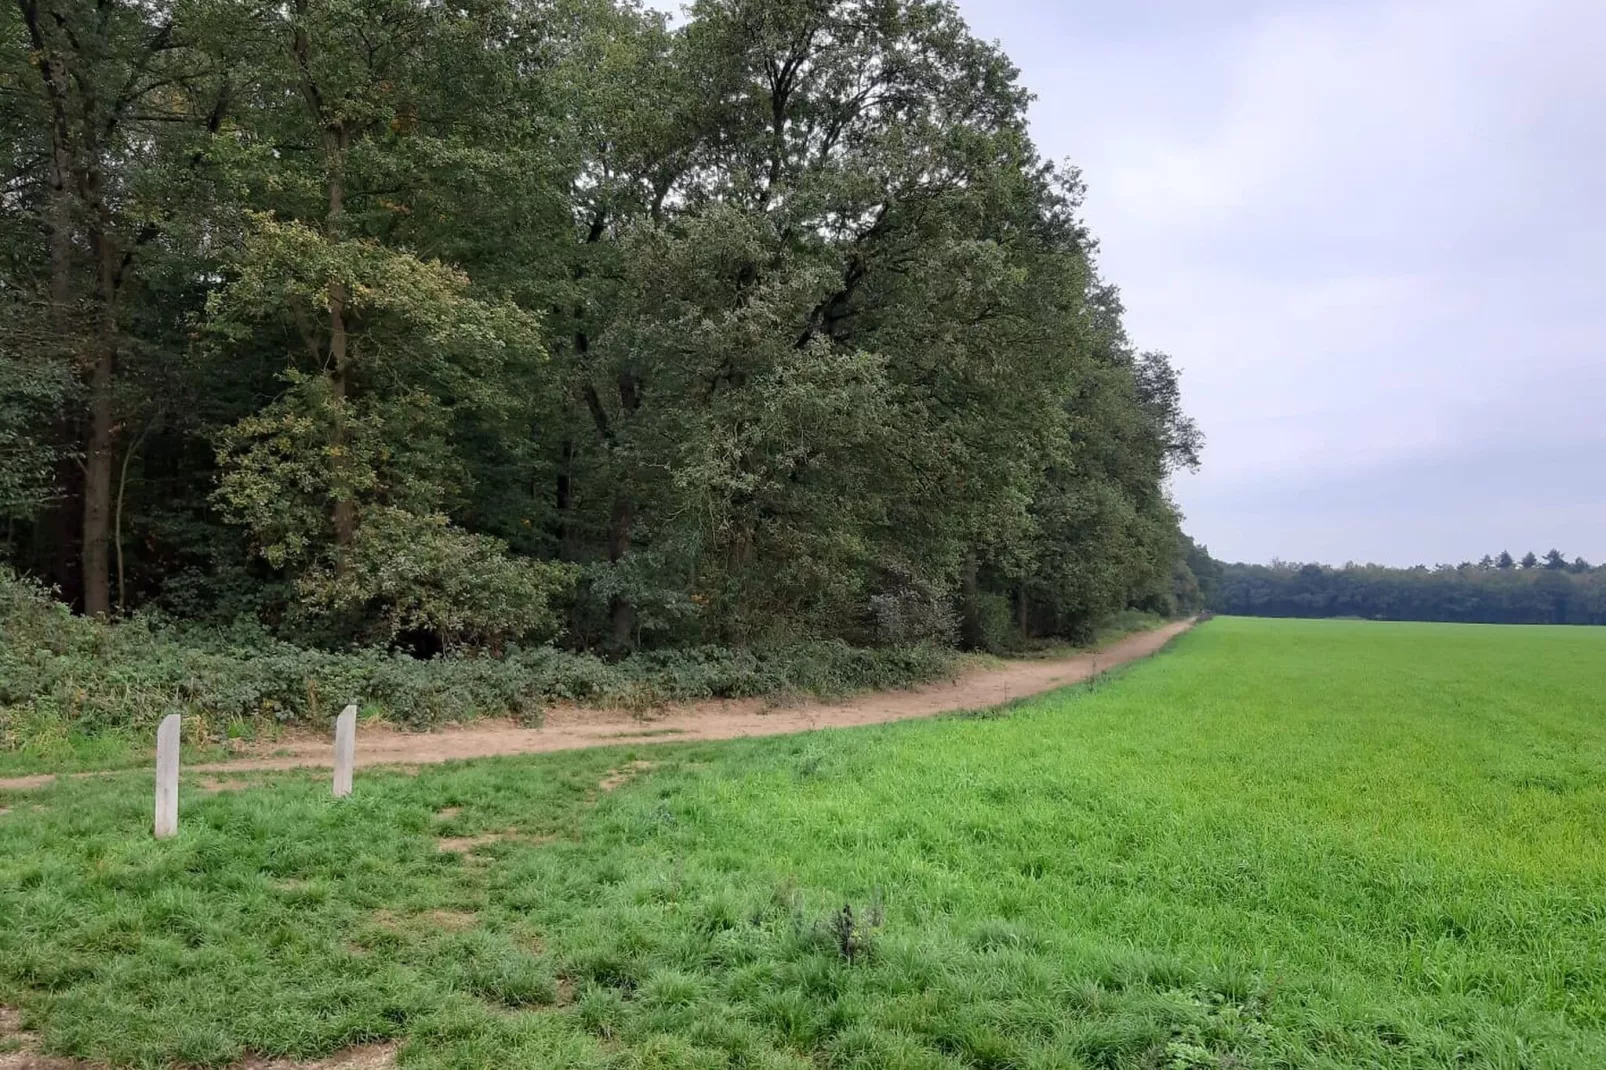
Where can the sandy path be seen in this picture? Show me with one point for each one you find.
(572, 728)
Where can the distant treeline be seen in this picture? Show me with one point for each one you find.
(1496, 590)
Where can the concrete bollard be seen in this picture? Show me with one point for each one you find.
(345, 750)
(167, 777)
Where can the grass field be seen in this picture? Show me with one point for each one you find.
(1278, 844)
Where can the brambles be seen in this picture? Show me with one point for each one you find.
(62, 675)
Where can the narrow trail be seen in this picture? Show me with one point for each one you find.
(573, 728)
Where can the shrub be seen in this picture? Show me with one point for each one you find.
(409, 573)
(911, 609)
(63, 670)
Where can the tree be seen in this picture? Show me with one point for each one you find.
(1555, 560)
(1505, 560)
(113, 98)
(800, 216)
(1206, 568)
(446, 325)
(390, 361)
(1529, 560)
(1498, 596)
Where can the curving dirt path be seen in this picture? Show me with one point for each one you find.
(573, 728)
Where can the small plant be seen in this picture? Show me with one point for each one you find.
(854, 935)
(849, 940)
(1219, 1032)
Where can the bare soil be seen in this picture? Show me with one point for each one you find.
(368, 1057)
(573, 728)
(19, 1048)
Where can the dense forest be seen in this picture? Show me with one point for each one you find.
(383, 324)
(1496, 590)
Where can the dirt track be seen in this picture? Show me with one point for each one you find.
(572, 728)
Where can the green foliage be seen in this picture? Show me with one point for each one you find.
(61, 675)
(91, 677)
(910, 608)
(995, 624)
(417, 574)
(1489, 593)
(32, 395)
(768, 327)
(1206, 571)
(1405, 873)
(424, 358)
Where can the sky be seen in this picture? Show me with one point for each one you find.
(1373, 236)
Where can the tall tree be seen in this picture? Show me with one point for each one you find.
(117, 99)
(769, 322)
(1443, 593)
(388, 361)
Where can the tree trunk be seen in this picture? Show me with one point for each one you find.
(60, 239)
(67, 563)
(1024, 608)
(970, 602)
(70, 176)
(117, 523)
(337, 135)
(100, 444)
(622, 612)
(98, 489)
(345, 510)
(565, 501)
(53, 73)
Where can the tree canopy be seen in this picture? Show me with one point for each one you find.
(382, 321)
(1493, 591)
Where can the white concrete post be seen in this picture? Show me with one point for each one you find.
(167, 777)
(345, 750)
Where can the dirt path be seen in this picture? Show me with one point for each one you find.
(572, 728)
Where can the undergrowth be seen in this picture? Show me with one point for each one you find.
(62, 675)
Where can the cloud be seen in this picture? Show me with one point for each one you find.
(1370, 234)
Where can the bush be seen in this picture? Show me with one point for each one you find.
(910, 609)
(62, 670)
(409, 573)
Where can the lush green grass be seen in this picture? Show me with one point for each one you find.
(1279, 844)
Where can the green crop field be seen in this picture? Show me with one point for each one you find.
(1277, 844)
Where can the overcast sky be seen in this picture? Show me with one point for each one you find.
(1373, 234)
